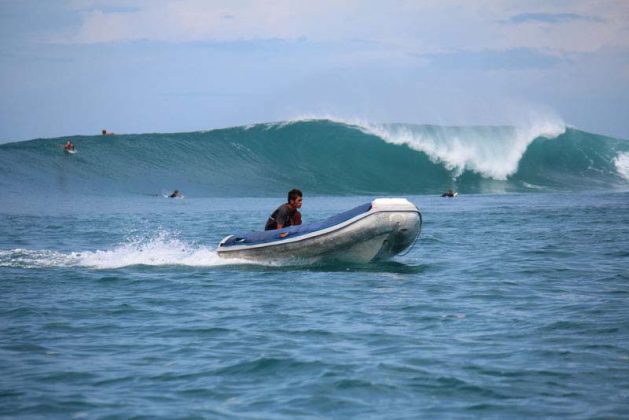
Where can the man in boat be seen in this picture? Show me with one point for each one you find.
(449, 193)
(175, 194)
(287, 214)
(69, 146)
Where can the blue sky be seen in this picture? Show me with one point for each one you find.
(79, 66)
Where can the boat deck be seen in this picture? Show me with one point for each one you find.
(255, 238)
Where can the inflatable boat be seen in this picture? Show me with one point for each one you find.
(373, 231)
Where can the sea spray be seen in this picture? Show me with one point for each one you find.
(622, 165)
(161, 249)
(493, 152)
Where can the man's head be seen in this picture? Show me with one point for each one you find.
(295, 198)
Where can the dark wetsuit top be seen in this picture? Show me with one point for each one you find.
(283, 215)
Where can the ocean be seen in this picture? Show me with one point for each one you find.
(513, 302)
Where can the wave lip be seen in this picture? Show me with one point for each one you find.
(493, 152)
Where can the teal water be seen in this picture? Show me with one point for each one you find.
(509, 305)
(323, 158)
(513, 303)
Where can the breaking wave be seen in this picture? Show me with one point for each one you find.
(323, 157)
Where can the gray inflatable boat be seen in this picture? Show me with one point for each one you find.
(373, 231)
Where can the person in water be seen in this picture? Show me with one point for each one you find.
(175, 194)
(449, 193)
(287, 214)
(69, 146)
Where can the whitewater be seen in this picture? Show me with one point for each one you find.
(511, 304)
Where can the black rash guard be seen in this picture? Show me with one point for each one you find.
(283, 215)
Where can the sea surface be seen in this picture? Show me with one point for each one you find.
(513, 303)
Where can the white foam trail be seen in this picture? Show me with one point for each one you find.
(622, 165)
(157, 251)
(27, 258)
(478, 149)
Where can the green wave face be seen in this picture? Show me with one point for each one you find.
(320, 157)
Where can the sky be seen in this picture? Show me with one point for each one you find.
(79, 66)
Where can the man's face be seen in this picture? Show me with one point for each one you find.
(296, 203)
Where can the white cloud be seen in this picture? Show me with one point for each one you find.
(197, 20)
(406, 26)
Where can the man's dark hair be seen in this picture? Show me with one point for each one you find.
(293, 194)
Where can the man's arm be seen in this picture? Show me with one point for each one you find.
(296, 218)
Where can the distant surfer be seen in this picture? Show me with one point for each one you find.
(107, 133)
(69, 146)
(175, 194)
(449, 193)
(287, 214)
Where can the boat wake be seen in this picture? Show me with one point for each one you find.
(160, 250)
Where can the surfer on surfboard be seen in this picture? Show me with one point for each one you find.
(69, 147)
(175, 194)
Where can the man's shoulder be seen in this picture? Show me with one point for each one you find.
(284, 208)
(284, 213)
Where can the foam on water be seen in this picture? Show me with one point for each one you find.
(622, 165)
(27, 258)
(161, 250)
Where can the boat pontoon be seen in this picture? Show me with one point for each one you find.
(373, 231)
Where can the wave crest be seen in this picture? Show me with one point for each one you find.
(622, 165)
(493, 152)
